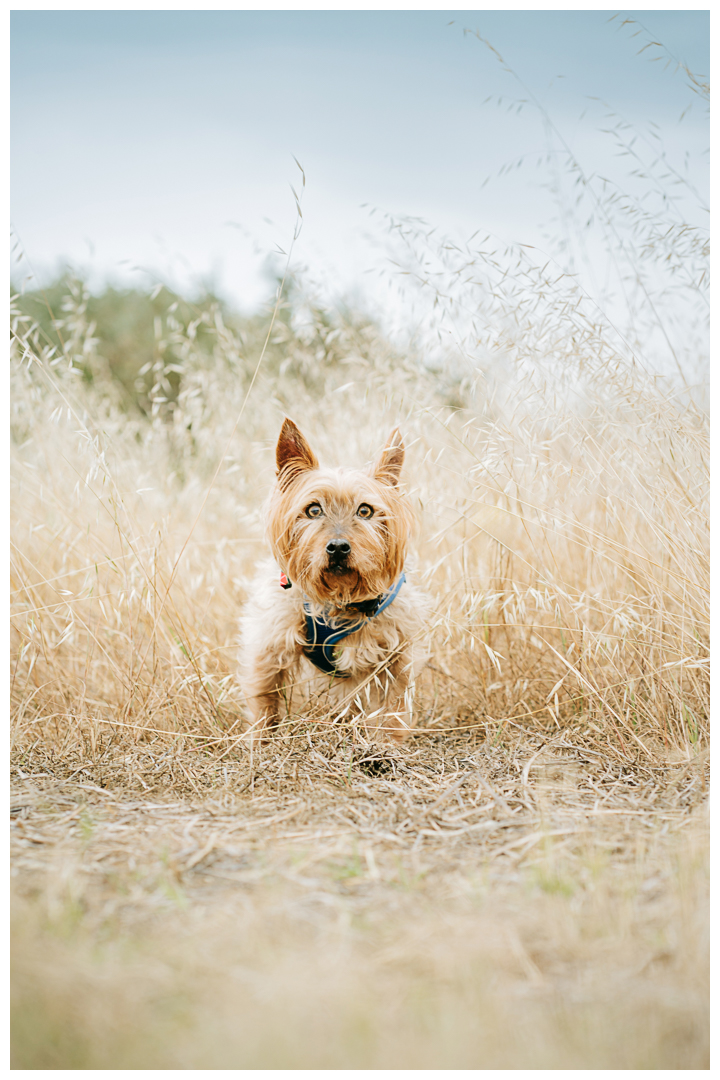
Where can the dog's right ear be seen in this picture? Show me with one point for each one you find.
(292, 454)
(387, 469)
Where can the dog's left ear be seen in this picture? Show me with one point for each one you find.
(390, 462)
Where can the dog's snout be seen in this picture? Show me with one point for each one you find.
(338, 548)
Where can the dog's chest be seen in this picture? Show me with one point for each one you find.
(374, 643)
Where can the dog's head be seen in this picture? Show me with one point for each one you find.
(340, 535)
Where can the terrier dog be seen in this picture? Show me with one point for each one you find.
(339, 539)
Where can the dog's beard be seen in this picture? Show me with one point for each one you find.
(340, 572)
(337, 583)
(341, 584)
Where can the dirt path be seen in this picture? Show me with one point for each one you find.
(447, 905)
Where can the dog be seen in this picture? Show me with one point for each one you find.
(336, 610)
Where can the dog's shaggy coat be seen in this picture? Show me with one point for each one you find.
(341, 537)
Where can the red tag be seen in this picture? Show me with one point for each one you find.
(284, 583)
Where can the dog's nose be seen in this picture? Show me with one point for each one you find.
(338, 548)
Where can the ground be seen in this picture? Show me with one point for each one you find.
(327, 903)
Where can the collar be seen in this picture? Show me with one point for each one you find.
(322, 636)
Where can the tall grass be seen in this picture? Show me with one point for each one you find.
(564, 531)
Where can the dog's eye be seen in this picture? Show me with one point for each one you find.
(365, 511)
(314, 510)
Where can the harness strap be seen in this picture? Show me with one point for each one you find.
(322, 637)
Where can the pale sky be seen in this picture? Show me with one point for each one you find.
(139, 137)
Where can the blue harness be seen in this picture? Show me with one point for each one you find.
(322, 637)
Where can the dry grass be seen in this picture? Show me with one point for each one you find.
(449, 906)
(524, 884)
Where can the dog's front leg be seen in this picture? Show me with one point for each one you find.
(395, 719)
(265, 687)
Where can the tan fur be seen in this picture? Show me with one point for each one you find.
(382, 658)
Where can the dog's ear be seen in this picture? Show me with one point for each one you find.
(292, 454)
(390, 462)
